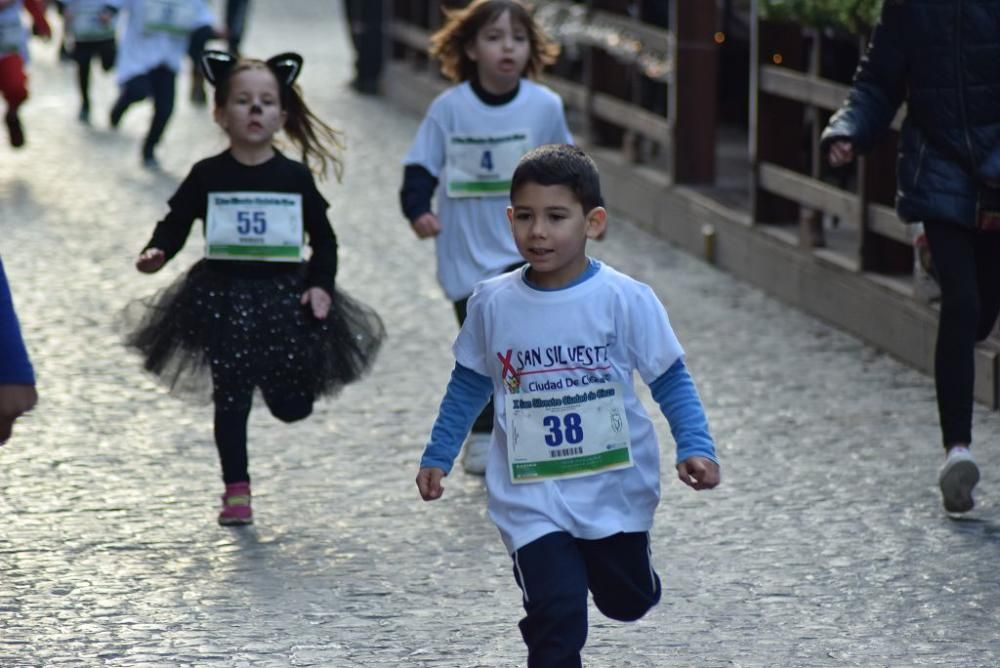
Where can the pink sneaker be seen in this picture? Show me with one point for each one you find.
(236, 505)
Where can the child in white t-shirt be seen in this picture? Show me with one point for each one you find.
(471, 139)
(573, 475)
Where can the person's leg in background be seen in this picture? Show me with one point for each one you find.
(196, 46)
(236, 22)
(477, 447)
(82, 54)
(953, 250)
(134, 90)
(365, 20)
(14, 87)
(162, 81)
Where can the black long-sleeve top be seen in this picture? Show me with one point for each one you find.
(223, 173)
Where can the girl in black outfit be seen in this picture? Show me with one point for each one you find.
(253, 313)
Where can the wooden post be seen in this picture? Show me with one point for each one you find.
(776, 124)
(811, 220)
(608, 76)
(696, 67)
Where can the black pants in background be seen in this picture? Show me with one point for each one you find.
(967, 262)
(158, 83)
(365, 20)
(236, 23)
(83, 53)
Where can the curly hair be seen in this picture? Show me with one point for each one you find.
(461, 26)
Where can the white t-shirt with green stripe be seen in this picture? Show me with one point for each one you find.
(472, 148)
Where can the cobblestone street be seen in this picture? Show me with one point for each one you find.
(825, 545)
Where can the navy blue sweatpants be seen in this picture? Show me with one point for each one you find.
(158, 83)
(556, 571)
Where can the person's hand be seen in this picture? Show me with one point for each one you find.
(426, 226)
(151, 260)
(15, 401)
(841, 152)
(318, 300)
(698, 473)
(429, 483)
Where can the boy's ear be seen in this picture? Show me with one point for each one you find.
(510, 214)
(216, 65)
(597, 222)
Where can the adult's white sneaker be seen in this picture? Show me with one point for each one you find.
(957, 477)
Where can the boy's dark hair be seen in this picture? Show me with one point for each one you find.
(560, 165)
(460, 29)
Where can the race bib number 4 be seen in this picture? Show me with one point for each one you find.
(92, 24)
(481, 165)
(254, 226)
(171, 16)
(561, 434)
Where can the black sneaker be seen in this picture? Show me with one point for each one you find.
(14, 128)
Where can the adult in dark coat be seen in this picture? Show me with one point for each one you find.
(942, 58)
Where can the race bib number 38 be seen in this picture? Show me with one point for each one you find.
(254, 226)
(564, 434)
(482, 165)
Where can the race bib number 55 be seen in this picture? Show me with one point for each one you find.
(254, 226)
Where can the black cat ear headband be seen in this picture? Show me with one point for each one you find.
(217, 64)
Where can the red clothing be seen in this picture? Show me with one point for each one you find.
(13, 80)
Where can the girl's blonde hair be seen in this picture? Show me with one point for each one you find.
(320, 144)
(461, 26)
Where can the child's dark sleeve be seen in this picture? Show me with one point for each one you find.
(417, 191)
(677, 397)
(322, 269)
(466, 395)
(186, 204)
(15, 366)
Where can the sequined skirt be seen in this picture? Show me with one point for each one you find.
(211, 335)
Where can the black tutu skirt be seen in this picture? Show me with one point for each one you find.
(213, 335)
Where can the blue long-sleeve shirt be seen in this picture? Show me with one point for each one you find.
(468, 391)
(15, 366)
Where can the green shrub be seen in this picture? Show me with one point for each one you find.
(856, 16)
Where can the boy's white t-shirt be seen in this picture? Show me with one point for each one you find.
(475, 241)
(84, 23)
(147, 42)
(582, 338)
